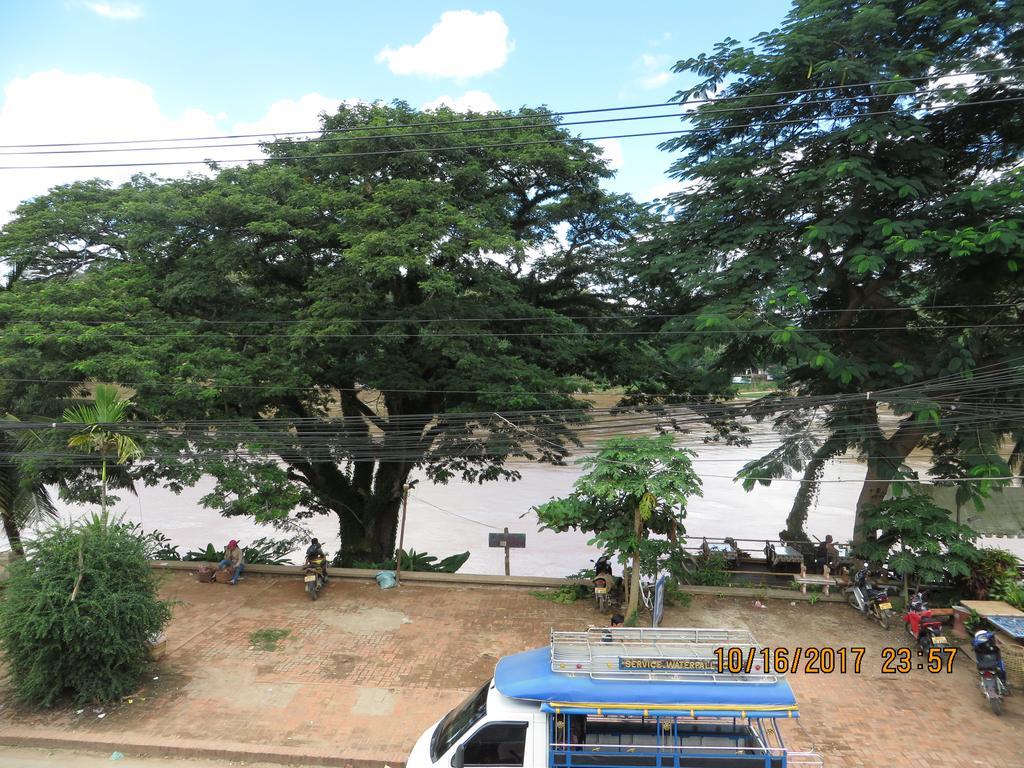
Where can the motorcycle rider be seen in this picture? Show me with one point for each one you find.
(316, 552)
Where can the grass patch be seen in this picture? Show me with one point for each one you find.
(267, 639)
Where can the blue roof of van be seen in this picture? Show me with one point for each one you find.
(529, 676)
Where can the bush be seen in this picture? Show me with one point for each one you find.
(261, 551)
(78, 614)
(419, 561)
(157, 544)
(711, 571)
(990, 566)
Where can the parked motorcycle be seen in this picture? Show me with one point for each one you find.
(604, 582)
(922, 625)
(313, 575)
(991, 671)
(870, 601)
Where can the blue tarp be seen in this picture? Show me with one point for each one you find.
(529, 676)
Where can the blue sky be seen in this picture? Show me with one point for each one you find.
(75, 70)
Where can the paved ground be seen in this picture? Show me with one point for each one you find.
(363, 672)
(18, 757)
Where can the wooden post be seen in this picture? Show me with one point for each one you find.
(803, 575)
(401, 537)
(828, 573)
(507, 572)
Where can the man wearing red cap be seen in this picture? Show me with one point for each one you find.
(233, 560)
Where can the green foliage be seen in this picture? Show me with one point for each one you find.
(973, 622)
(813, 598)
(675, 595)
(710, 570)
(990, 566)
(157, 544)
(419, 561)
(1006, 587)
(333, 278)
(568, 593)
(261, 551)
(634, 486)
(78, 614)
(844, 234)
(918, 540)
(209, 555)
(267, 639)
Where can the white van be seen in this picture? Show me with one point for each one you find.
(621, 698)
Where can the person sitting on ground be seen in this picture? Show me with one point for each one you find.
(233, 559)
(313, 552)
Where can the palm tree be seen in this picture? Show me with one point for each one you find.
(99, 433)
(24, 499)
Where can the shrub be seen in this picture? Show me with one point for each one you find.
(78, 614)
(990, 566)
(568, 593)
(261, 551)
(420, 561)
(157, 544)
(711, 570)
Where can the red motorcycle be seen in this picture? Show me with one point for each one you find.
(925, 628)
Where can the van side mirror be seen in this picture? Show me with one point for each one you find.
(459, 758)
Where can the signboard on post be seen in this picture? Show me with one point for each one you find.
(507, 541)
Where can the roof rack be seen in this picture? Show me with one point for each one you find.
(669, 654)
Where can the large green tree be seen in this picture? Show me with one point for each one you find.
(358, 306)
(853, 214)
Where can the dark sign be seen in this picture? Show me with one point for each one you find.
(646, 664)
(659, 602)
(510, 540)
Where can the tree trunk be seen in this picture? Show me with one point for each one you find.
(634, 586)
(368, 532)
(886, 456)
(805, 494)
(13, 534)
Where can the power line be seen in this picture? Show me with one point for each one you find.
(689, 115)
(503, 117)
(500, 145)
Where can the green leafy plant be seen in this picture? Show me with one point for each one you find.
(158, 545)
(98, 437)
(568, 593)
(418, 561)
(261, 551)
(990, 566)
(267, 639)
(78, 614)
(813, 598)
(973, 622)
(918, 540)
(711, 570)
(1005, 587)
(676, 596)
(634, 486)
(208, 555)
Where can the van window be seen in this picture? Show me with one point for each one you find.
(496, 744)
(458, 721)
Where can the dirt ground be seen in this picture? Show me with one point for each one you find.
(362, 672)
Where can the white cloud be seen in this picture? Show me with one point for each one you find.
(462, 44)
(655, 70)
(470, 101)
(119, 12)
(51, 107)
(612, 151)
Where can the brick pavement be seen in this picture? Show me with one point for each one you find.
(364, 671)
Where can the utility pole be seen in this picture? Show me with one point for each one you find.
(401, 535)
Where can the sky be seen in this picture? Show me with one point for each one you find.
(94, 70)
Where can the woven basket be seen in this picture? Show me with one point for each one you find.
(1013, 659)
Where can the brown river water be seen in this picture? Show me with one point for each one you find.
(445, 519)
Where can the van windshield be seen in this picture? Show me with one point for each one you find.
(458, 721)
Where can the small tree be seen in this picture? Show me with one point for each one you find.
(99, 435)
(24, 498)
(90, 647)
(636, 486)
(918, 539)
